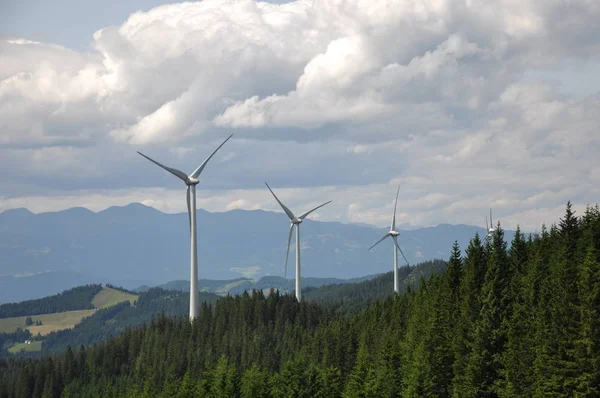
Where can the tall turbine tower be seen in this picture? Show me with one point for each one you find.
(394, 234)
(294, 221)
(191, 181)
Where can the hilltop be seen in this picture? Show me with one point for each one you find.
(83, 315)
(23, 325)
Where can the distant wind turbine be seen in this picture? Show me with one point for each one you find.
(394, 234)
(294, 221)
(191, 181)
(490, 228)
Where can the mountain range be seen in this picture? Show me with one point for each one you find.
(135, 245)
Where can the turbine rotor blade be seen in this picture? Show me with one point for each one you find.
(175, 172)
(197, 172)
(379, 241)
(491, 222)
(398, 246)
(303, 216)
(189, 208)
(395, 205)
(288, 248)
(285, 209)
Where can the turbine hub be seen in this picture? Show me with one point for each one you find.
(191, 181)
(296, 221)
(394, 233)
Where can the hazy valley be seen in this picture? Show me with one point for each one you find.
(135, 245)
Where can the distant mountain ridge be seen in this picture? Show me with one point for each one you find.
(135, 245)
(239, 285)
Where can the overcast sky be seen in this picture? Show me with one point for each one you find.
(466, 104)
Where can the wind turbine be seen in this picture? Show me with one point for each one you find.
(294, 221)
(191, 181)
(394, 234)
(490, 228)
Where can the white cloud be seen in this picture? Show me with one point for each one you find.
(237, 204)
(247, 272)
(330, 99)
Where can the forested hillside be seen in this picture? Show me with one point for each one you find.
(348, 297)
(497, 322)
(113, 320)
(78, 298)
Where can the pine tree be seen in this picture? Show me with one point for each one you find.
(362, 380)
(187, 389)
(588, 344)
(224, 380)
(570, 231)
(439, 352)
(255, 383)
(519, 356)
(415, 367)
(475, 266)
(454, 272)
(330, 383)
(485, 367)
(389, 376)
(560, 367)
(170, 386)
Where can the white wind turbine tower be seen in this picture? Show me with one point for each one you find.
(394, 234)
(191, 181)
(490, 229)
(294, 221)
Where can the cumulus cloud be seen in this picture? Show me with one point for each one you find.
(237, 204)
(335, 99)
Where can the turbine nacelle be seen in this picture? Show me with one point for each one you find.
(394, 233)
(191, 181)
(296, 221)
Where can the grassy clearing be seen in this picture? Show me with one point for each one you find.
(50, 322)
(35, 346)
(108, 297)
(59, 321)
(62, 320)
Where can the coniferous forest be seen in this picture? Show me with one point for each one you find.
(506, 319)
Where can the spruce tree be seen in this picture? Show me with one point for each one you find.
(470, 304)
(563, 324)
(187, 389)
(518, 358)
(588, 344)
(254, 383)
(454, 273)
(484, 369)
(362, 381)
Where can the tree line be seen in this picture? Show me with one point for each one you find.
(78, 298)
(499, 322)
